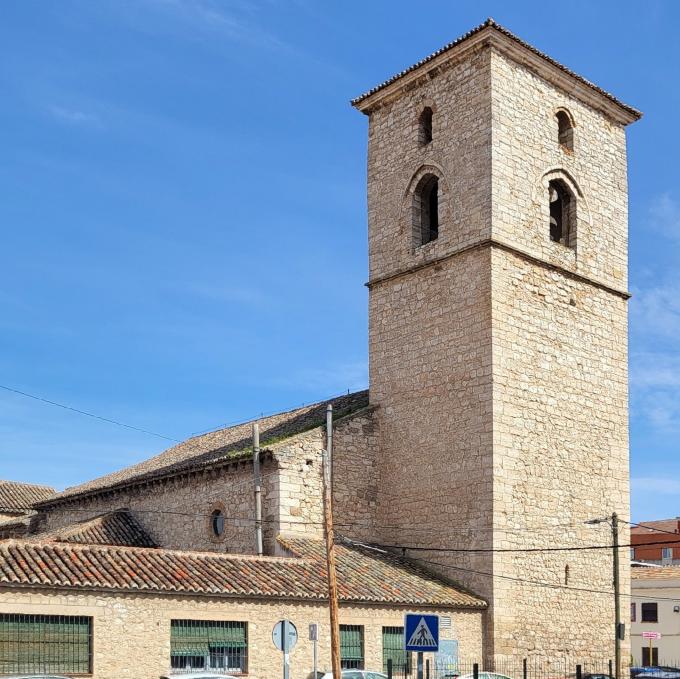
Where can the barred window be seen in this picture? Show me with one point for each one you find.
(45, 644)
(393, 649)
(209, 644)
(352, 647)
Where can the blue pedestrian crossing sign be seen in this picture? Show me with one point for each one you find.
(421, 632)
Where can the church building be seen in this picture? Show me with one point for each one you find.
(494, 430)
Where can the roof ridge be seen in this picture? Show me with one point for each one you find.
(27, 483)
(220, 446)
(490, 23)
(159, 551)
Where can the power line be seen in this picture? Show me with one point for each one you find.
(656, 530)
(539, 583)
(88, 414)
(495, 550)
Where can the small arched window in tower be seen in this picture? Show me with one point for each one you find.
(425, 126)
(426, 210)
(565, 131)
(562, 213)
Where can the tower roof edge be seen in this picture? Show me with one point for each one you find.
(492, 32)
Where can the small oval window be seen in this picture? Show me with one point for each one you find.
(217, 523)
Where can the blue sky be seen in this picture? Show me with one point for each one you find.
(183, 212)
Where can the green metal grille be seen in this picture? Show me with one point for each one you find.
(352, 647)
(393, 649)
(218, 645)
(45, 643)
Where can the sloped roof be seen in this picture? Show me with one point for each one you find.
(361, 576)
(365, 570)
(17, 497)
(113, 528)
(491, 24)
(655, 573)
(222, 445)
(645, 527)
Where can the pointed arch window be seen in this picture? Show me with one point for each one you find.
(426, 210)
(562, 213)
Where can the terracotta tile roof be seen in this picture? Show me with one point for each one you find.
(361, 570)
(362, 576)
(17, 498)
(217, 447)
(490, 23)
(655, 572)
(646, 527)
(113, 528)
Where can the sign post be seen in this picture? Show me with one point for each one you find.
(421, 634)
(314, 637)
(651, 636)
(284, 636)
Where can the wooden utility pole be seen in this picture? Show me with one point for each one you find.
(330, 546)
(617, 596)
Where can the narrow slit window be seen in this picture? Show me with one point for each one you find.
(425, 127)
(565, 131)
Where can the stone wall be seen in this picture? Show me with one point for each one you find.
(132, 632)
(526, 153)
(356, 449)
(559, 368)
(430, 323)
(176, 512)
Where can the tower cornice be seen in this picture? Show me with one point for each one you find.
(491, 34)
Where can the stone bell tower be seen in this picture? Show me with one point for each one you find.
(497, 195)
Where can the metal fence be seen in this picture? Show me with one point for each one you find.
(511, 669)
(45, 644)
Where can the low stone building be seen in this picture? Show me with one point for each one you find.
(138, 612)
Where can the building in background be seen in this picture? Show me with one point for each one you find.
(655, 609)
(17, 502)
(656, 542)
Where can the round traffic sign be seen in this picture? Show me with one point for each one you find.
(284, 635)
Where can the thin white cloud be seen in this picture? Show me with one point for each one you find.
(655, 389)
(74, 116)
(234, 20)
(665, 215)
(650, 484)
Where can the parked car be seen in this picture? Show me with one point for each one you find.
(655, 672)
(484, 675)
(356, 674)
(195, 675)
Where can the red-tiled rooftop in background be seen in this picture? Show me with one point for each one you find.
(113, 528)
(665, 525)
(363, 576)
(18, 498)
(490, 23)
(217, 447)
(655, 573)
